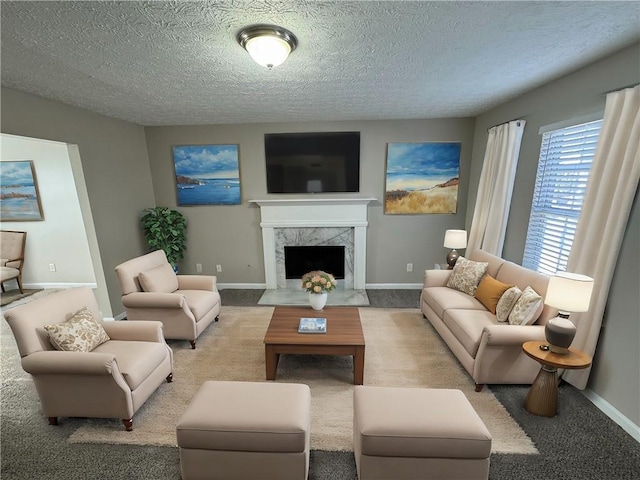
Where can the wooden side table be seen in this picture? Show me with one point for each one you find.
(542, 398)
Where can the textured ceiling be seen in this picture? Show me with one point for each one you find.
(177, 62)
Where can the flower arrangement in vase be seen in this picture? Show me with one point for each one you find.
(318, 283)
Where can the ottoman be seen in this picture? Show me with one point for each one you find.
(246, 430)
(415, 433)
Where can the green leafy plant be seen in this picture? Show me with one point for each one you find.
(165, 229)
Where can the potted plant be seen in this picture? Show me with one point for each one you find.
(165, 229)
(318, 283)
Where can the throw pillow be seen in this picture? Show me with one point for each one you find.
(466, 275)
(159, 279)
(527, 309)
(81, 333)
(506, 303)
(490, 291)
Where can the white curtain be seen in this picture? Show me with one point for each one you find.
(493, 201)
(612, 185)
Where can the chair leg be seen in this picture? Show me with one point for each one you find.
(53, 421)
(2, 287)
(479, 387)
(19, 280)
(193, 344)
(128, 424)
(170, 378)
(217, 317)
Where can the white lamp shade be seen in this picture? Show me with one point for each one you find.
(268, 50)
(569, 292)
(455, 239)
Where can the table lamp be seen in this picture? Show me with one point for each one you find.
(569, 293)
(454, 239)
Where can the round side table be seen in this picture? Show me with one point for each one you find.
(542, 398)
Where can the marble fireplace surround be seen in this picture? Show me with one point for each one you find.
(314, 221)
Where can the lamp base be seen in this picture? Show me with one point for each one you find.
(559, 332)
(452, 258)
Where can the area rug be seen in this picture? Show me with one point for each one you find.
(12, 295)
(402, 350)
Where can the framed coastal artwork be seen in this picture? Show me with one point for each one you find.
(207, 174)
(19, 195)
(421, 178)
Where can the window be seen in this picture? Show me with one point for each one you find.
(561, 182)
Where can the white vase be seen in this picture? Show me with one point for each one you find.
(317, 300)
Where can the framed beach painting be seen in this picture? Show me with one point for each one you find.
(207, 174)
(19, 195)
(421, 178)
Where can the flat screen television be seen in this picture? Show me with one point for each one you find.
(317, 162)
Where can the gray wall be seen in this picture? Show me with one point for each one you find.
(115, 165)
(230, 235)
(616, 372)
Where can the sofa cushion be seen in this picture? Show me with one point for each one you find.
(467, 275)
(441, 299)
(136, 360)
(159, 279)
(490, 291)
(81, 333)
(467, 326)
(200, 301)
(527, 309)
(506, 303)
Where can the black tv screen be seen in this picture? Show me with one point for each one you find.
(312, 162)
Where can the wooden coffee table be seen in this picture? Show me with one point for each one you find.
(344, 337)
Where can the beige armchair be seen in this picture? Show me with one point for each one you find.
(185, 304)
(112, 380)
(12, 245)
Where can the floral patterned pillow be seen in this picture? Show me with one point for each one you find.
(527, 309)
(506, 303)
(81, 333)
(466, 275)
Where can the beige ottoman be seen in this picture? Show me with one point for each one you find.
(246, 430)
(415, 433)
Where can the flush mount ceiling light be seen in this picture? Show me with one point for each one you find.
(268, 45)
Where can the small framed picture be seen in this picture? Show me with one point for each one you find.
(207, 174)
(421, 178)
(19, 194)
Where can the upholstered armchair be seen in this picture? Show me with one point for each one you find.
(185, 304)
(97, 369)
(12, 245)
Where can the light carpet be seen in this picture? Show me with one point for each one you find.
(12, 295)
(402, 350)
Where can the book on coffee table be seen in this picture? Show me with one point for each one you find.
(312, 325)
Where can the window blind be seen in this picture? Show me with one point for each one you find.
(561, 182)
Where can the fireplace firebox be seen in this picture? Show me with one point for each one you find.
(299, 260)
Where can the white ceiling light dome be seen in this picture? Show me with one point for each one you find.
(268, 45)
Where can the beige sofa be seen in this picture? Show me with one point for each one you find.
(489, 350)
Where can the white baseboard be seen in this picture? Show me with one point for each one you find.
(394, 286)
(614, 414)
(238, 286)
(59, 285)
(372, 286)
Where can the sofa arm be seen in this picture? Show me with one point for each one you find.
(153, 300)
(135, 330)
(436, 278)
(197, 282)
(500, 335)
(54, 362)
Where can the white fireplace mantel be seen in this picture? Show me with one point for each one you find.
(314, 213)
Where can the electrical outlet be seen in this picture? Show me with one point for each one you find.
(52, 267)
(409, 267)
(198, 268)
(218, 268)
